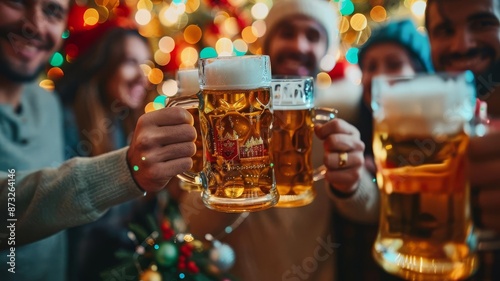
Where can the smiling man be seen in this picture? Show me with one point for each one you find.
(39, 198)
(465, 35)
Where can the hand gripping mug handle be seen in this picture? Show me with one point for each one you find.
(322, 115)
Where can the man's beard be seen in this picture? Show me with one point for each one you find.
(489, 80)
(18, 76)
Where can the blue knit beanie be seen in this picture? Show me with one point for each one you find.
(404, 33)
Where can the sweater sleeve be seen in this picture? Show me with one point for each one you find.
(78, 192)
(363, 206)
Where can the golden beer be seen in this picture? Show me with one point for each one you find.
(425, 226)
(236, 127)
(420, 144)
(291, 147)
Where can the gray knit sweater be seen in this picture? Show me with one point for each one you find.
(49, 195)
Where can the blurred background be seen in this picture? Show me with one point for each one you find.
(182, 31)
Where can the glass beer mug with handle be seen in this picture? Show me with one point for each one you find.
(422, 127)
(235, 120)
(188, 87)
(291, 142)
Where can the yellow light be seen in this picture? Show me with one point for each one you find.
(168, 15)
(103, 13)
(237, 3)
(189, 57)
(358, 22)
(259, 28)
(349, 37)
(220, 17)
(248, 34)
(155, 76)
(418, 8)
(91, 16)
(144, 4)
(230, 27)
(146, 69)
(192, 6)
(102, 3)
(162, 58)
(259, 11)
(149, 107)
(240, 45)
(192, 34)
(169, 87)
(323, 80)
(344, 25)
(47, 84)
(142, 17)
(166, 44)
(224, 47)
(378, 14)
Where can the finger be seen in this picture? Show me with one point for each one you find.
(343, 142)
(335, 126)
(170, 152)
(155, 176)
(343, 180)
(167, 116)
(166, 135)
(333, 160)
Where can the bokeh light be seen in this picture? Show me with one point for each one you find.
(418, 8)
(208, 52)
(248, 34)
(323, 80)
(230, 27)
(166, 44)
(192, 34)
(155, 76)
(189, 57)
(47, 84)
(142, 17)
(344, 25)
(57, 59)
(144, 4)
(259, 11)
(91, 16)
(352, 55)
(259, 28)
(224, 47)
(169, 88)
(55, 73)
(346, 7)
(378, 14)
(327, 62)
(358, 22)
(192, 6)
(240, 47)
(162, 58)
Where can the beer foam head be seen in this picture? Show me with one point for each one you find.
(427, 104)
(242, 72)
(187, 82)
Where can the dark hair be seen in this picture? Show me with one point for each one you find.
(83, 87)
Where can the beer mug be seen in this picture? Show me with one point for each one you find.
(235, 120)
(422, 127)
(291, 141)
(188, 87)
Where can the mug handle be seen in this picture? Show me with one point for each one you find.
(322, 115)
